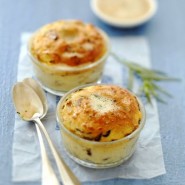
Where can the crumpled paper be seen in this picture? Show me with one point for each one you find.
(146, 162)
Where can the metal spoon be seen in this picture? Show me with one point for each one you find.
(29, 107)
(66, 174)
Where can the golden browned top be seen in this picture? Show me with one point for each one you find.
(68, 42)
(101, 113)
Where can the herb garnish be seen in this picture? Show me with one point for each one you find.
(148, 77)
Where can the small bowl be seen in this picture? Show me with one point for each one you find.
(58, 79)
(96, 154)
(121, 22)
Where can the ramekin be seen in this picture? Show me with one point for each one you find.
(58, 79)
(94, 154)
(124, 23)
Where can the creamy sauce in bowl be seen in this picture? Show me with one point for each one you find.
(124, 13)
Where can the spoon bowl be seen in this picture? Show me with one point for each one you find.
(27, 104)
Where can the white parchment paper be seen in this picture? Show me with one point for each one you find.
(147, 161)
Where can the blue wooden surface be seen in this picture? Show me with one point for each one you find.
(165, 33)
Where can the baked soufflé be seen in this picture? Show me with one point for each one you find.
(68, 53)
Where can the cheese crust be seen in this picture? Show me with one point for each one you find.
(101, 113)
(68, 42)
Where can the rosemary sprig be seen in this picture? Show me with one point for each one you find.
(148, 78)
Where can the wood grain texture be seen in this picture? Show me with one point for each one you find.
(166, 37)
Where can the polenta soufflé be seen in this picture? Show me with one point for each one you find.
(68, 53)
(103, 120)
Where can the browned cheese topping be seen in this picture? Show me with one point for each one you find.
(67, 42)
(101, 113)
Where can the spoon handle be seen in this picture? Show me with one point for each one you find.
(48, 175)
(67, 176)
